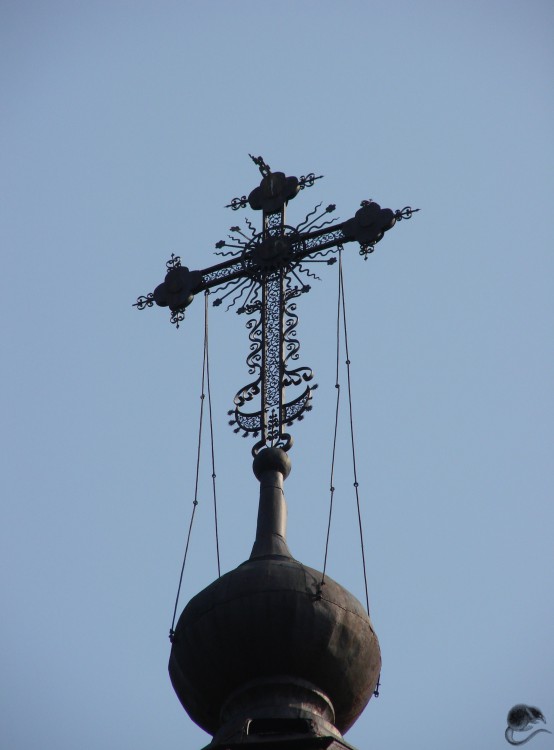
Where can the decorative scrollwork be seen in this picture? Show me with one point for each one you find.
(252, 302)
(405, 213)
(292, 345)
(248, 423)
(177, 316)
(308, 180)
(295, 409)
(333, 236)
(274, 222)
(173, 262)
(247, 392)
(237, 203)
(272, 316)
(366, 250)
(221, 275)
(144, 301)
(296, 376)
(264, 272)
(321, 254)
(254, 359)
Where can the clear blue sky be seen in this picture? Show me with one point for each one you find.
(125, 130)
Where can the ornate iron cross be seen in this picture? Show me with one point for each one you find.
(266, 271)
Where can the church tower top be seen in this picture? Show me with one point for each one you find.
(267, 651)
(273, 654)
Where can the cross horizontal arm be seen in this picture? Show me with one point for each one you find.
(267, 252)
(301, 247)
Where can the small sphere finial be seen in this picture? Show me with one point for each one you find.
(271, 459)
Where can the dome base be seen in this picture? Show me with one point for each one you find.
(276, 707)
(289, 742)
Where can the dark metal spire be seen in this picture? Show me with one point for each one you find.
(266, 271)
(271, 467)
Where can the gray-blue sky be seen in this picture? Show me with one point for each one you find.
(125, 129)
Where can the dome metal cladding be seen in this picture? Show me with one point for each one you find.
(272, 618)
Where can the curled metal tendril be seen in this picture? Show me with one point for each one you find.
(306, 224)
(248, 392)
(240, 293)
(322, 225)
(229, 284)
(231, 253)
(292, 345)
(366, 250)
(234, 285)
(310, 274)
(299, 374)
(238, 230)
(250, 306)
(177, 317)
(308, 180)
(308, 215)
(144, 301)
(237, 203)
(322, 254)
(254, 359)
(405, 213)
(173, 262)
(250, 226)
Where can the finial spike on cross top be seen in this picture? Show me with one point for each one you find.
(262, 166)
(265, 273)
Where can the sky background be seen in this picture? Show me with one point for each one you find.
(126, 128)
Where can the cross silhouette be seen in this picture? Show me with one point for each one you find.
(266, 271)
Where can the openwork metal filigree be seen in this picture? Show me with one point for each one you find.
(264, 272)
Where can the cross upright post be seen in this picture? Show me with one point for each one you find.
(265, 273)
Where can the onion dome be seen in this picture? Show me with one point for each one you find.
(267, 650)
